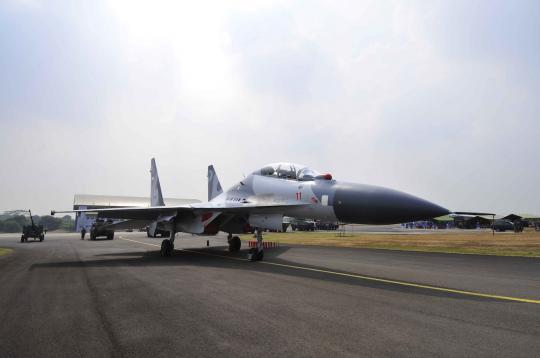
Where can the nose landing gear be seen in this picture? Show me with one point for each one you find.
(257, 253)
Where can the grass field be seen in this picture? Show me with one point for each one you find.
(4, 251)
(460, 242)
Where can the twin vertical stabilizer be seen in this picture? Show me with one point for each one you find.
(214, 187)
(156, 197)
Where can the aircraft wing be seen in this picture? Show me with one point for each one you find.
(156, 212)
(129, 224)
(469, 213)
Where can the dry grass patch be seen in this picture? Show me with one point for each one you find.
(463, 242)
(5, 251)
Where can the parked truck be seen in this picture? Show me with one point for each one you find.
(303, 225)
(101, 228)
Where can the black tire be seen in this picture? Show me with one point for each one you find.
(253, 253)
(22, 238)
(235, 244)
(166, 248)
(110, 236)
(41, 237)
(256, 255)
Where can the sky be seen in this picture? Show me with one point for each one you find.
(439, 99)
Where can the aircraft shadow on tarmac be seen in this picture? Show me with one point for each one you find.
(207, 257)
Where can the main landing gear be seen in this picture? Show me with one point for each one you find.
(234, 243)
(167, 246)
(257, 253)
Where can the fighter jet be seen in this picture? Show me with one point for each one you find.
(264, 197)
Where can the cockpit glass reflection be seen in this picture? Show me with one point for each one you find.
(288, 171)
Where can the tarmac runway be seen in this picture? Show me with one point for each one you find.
(66, 297)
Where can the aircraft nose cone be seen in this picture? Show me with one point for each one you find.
(367, 204)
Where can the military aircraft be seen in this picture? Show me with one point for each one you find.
(261, 199)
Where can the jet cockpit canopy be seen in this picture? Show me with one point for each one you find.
(291, 171)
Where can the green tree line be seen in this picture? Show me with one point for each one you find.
(15, 223)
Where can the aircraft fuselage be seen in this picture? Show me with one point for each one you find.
(326, 199)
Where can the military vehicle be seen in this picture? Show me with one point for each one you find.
(303, 225)
(503, 225)
(101, 228)
(32, 231)
(327, 225)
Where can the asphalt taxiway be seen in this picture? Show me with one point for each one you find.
(66, 297)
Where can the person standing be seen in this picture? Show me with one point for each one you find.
(517, 226)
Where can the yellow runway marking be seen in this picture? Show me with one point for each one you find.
(366, 278)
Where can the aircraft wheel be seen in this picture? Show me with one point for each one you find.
(252, 256)
(235, 244)
(41, 237)
(22, 238)
(255, 254)
(166, 248)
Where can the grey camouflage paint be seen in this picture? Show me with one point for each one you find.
(214, 187)
(156, 197)
(329, 199)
